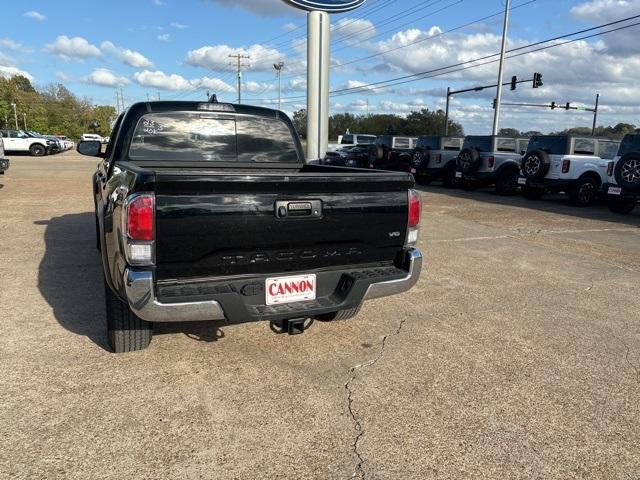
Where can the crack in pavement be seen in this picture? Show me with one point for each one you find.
(359, 472)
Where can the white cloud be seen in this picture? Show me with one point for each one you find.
(72, 48)
(179, 26)
(353, 30)
(129, 57)
(158, 3)
(165, 37)
(217, 57)
(161, 80)
(10, 44)
(8, 72)
(270, 8)
(105, 78)
(598, 12)
(35, 16)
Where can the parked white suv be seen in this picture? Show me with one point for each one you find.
(623, 187)
(491, 160)
(435, 158)
(91, 137)
(4, 162)
(351, 140)
(19, 141)
(578, 166)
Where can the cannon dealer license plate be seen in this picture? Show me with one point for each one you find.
(290, 289)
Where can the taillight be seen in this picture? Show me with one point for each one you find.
(566, 165)
(415, 208)
(140, 218)
(415, 212)
(491, 161)
(610, 169)
(139, 229)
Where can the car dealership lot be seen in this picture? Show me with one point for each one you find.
(516, 356)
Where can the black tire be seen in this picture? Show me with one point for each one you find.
(532, 193)
(125, 331)
(470, 185)
(535, 164)
(469, 160)
(419, 157)
(507, 182)
(622, 206)
(627, 172)
(584, 192)
(37, 150)
(449, 179)
(340, 315)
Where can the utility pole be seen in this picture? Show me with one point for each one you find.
(24, 117)
(239, 58)
(118, 101)
(446, 113)
(595, 115)
(158, 96)
(367, 107)
(505, 32)
(148, 98)
(279, 66)
(15, 114)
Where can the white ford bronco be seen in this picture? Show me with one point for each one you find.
(19, 141)
(435, 158)
(578, 166)
(491, 160)
(623, 188)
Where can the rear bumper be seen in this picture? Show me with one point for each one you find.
(616, 191)
(545, 183)
(479, 176)
(226, 302)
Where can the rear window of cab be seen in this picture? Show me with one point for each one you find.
(212, 137)
(552, 145)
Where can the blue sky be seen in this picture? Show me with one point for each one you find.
(179, 49)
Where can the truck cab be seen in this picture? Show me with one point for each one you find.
(622, 188)
(577, 166)
(208, 211)
(435, 158)
(491, 160)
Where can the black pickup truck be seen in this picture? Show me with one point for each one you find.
(208, 211)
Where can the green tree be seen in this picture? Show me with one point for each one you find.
(300, 122)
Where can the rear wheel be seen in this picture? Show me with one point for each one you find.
(507, 183)
(125, 331)
(585, 192)
(339, 315)
(37, 150)
(532, 193)
(621, 205)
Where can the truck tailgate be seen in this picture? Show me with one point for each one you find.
(224, 224)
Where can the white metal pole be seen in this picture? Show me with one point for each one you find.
(15, 114)
(505, 33)
(318, 84)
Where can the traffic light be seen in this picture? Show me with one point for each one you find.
(567, 107)
(514, 82)
(495, 103)
(537, 80)
(553, 105)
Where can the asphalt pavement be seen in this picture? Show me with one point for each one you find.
(516, 356)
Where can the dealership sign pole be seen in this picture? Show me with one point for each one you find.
(318, 59)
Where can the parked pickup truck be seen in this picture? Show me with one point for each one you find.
(578, 166)
(207, 211)
(623, 186)
(4, 162)
(491, 160)
(435, 158)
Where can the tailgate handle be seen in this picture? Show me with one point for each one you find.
(298, 208)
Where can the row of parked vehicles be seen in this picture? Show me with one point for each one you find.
(585, 168)
(34, 143)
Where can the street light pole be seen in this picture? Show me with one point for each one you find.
(279, 66)
(24, 117)
(15, 114)
(505, 32)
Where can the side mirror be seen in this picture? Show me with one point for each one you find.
(90, 148)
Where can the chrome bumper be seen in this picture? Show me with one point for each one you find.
(413, 263)
(141, 297)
